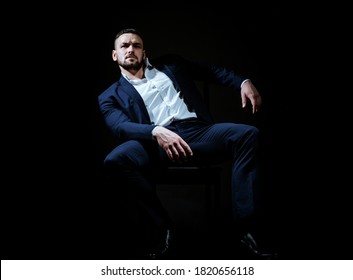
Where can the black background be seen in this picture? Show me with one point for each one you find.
(57, 62)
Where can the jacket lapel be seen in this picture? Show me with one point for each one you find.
(135, 101)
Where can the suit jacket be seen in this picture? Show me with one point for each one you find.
(124, 110)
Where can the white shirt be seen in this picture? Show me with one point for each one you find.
(162, 101)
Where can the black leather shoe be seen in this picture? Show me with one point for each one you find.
(253, 250)
(161, 246)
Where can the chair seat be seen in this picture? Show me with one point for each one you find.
(190, 174)
(208, 176)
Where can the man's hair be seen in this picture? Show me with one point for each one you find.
(128, 30)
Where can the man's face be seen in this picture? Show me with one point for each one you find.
(129, 52)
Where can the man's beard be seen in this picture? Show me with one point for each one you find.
(132, 66)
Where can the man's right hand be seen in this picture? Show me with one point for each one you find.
(176, 148)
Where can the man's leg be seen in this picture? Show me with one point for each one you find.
(228, 141)
(130, 169)
(238, 143)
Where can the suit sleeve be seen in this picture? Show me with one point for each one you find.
(120, 118)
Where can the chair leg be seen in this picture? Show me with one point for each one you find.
(212, 200)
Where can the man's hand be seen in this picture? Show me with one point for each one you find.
(176, 148)
(249, 91)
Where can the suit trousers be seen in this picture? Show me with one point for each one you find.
(132, 165)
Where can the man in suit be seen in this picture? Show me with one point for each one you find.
(158, 115)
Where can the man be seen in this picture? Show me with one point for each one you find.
(158, 116)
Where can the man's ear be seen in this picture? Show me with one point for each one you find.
(114, 55)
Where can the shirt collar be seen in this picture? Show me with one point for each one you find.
(148, 64)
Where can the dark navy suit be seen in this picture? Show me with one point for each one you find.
(132, 163)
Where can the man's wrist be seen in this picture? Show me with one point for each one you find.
(154, 132)
(245, 81)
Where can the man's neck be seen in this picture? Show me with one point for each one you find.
(134, 75)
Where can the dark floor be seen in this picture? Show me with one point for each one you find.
(94, 226)
(294, 235)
